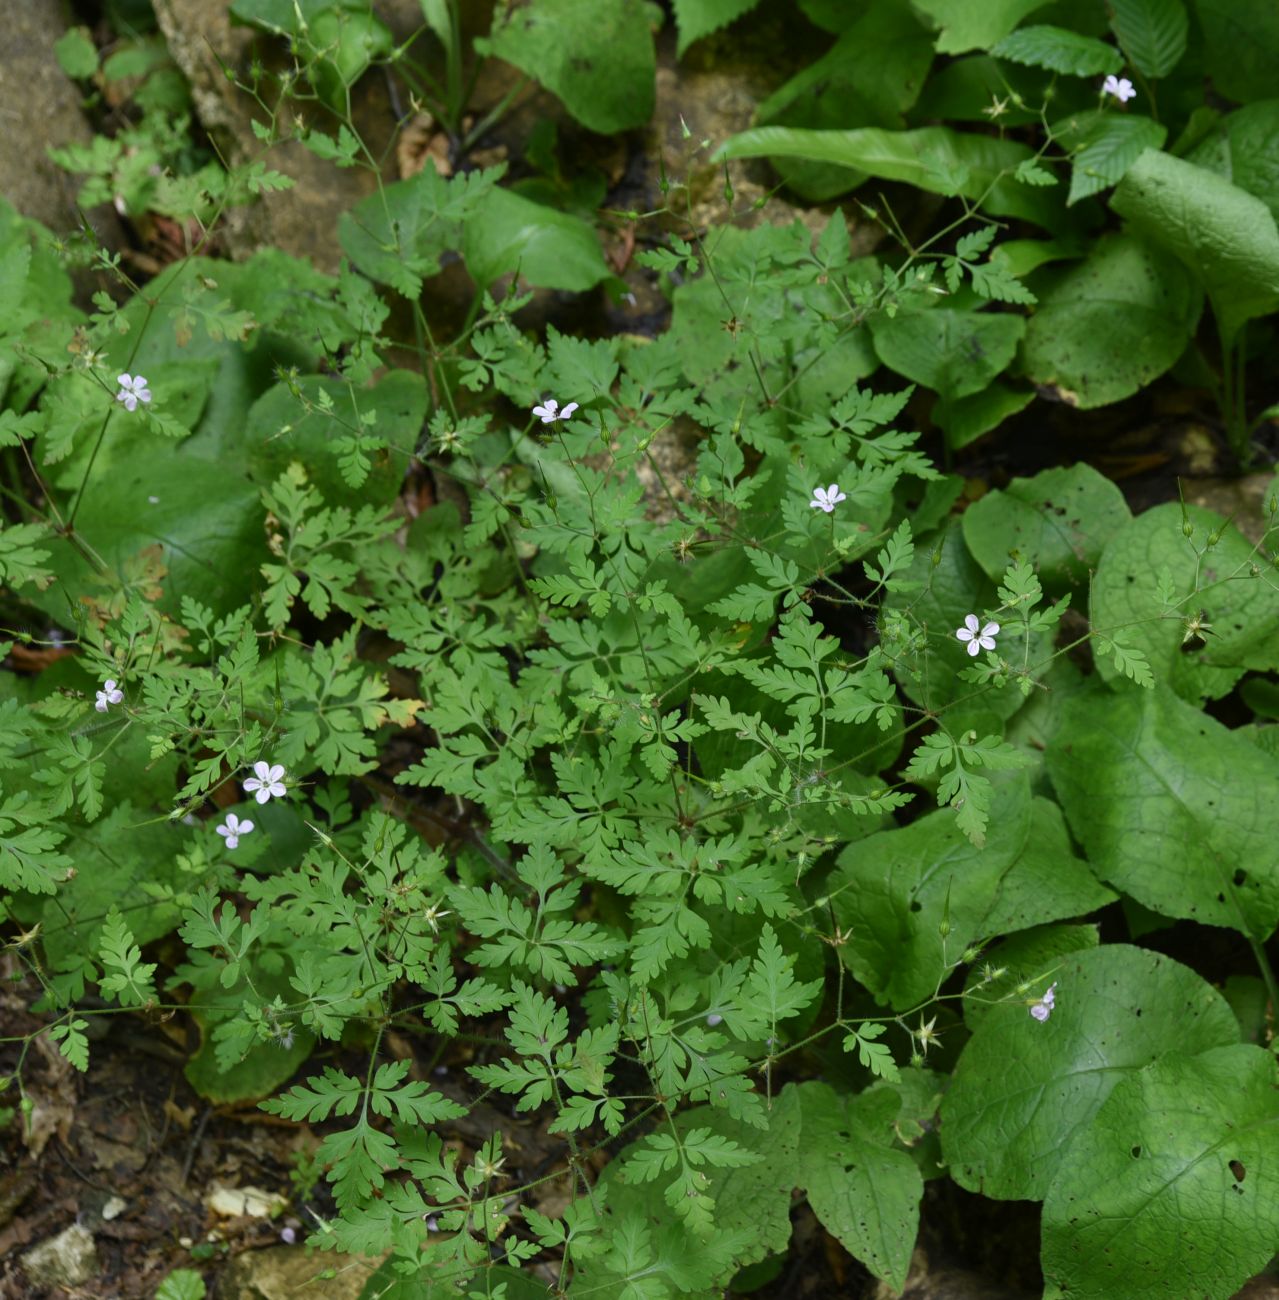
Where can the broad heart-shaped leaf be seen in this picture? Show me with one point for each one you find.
(1241, 39)
(1029, 957)
(1171, 807)
(945, 593)
(1244, 148)
(1047, 881)
(1241, 612)
(975, 24)
(1108, 144)
(955, 353)
(865, 1191)
(1106, 327)
(697, 18)
(399, 235)
(1184, 1151)
(115, 859)
(550, 249)
(1152, 33)
(870, 76)
(1023, 1090)
(595, 55)
(893, 890)
(168, 511)
(265, 1066)
(966, 420)
(1058, 522)
(933, 158)
(280, 429)
(1059, 50)
(1224, 235)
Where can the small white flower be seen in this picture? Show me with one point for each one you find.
(232, 829)
(1122, 89)
(288, 1236)
(1042, 1009)
(979, 638)
(714, 1019)
(109, 694)
(133, 389)
(268, 781)
(827, 498)
(549, 413)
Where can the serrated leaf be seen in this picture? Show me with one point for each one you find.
(1151, 32)
(1059, 50)
(697, 18)
(1109, 146)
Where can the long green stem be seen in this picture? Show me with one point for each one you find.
(1267, 973)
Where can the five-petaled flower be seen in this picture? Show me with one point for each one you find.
(1042, 1009)
(1122, 89)
(232, 829)
(267, 781)
(551, 412)
(979, 638)
(133, 389)
(109, 694)
(827, 498)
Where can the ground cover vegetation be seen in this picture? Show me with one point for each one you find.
(784, 825)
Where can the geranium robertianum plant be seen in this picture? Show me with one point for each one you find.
(690, 773)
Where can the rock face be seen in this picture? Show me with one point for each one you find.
(41, 107)
(290, 1273)
(301, 220)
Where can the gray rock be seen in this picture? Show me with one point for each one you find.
(290, 1273)
(67, 1260)
(39, 107)
(301, 220)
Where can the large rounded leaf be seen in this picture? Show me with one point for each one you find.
(1108, 326)
(1226, 236)
(1173, 1189)
(1057, 521)
(1023, 1090)
(319, 421)
(550, 249)
(1241, 38)
(934, 158)
(596, 55)
(955, 353)
(1239, 611)
(174, 521)
(1244, 148)
(945, 593)
(1171, 807)
(892, 890)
